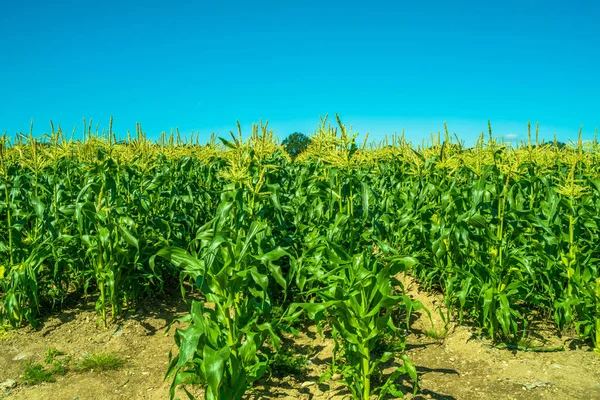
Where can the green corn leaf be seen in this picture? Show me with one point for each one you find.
(213, 365)
(128, 236)
(181, 258)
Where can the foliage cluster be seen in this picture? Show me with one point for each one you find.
(507, 235)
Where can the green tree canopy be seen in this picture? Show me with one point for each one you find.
(296, 143)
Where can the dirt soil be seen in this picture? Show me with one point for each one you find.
(456, 366)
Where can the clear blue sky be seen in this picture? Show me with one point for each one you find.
(382, 66)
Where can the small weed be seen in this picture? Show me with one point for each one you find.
(286, 363)
(4, 331)
(35, 373)
(193, 380)
(100, 362)
(51, 354)
(435, 334)
(526, 342)
(59, 367)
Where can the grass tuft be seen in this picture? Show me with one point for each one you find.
(286, 363)
(436, 334)
(51, 354)
(59, 367)
(35, 373)
(100, 362)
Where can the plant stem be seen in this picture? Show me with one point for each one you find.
(9, 223)
(366, 376)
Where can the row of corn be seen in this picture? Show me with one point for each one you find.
(508, 234)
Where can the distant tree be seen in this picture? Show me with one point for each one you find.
(296, 143)
(559, 144)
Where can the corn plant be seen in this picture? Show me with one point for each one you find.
(224, 341)
(360, 305)
(508, 234)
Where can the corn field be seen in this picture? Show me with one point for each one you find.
(509, 235)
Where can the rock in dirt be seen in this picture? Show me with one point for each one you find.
(8, 384)
(336, 377)
(118, 331)
(536, 384)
